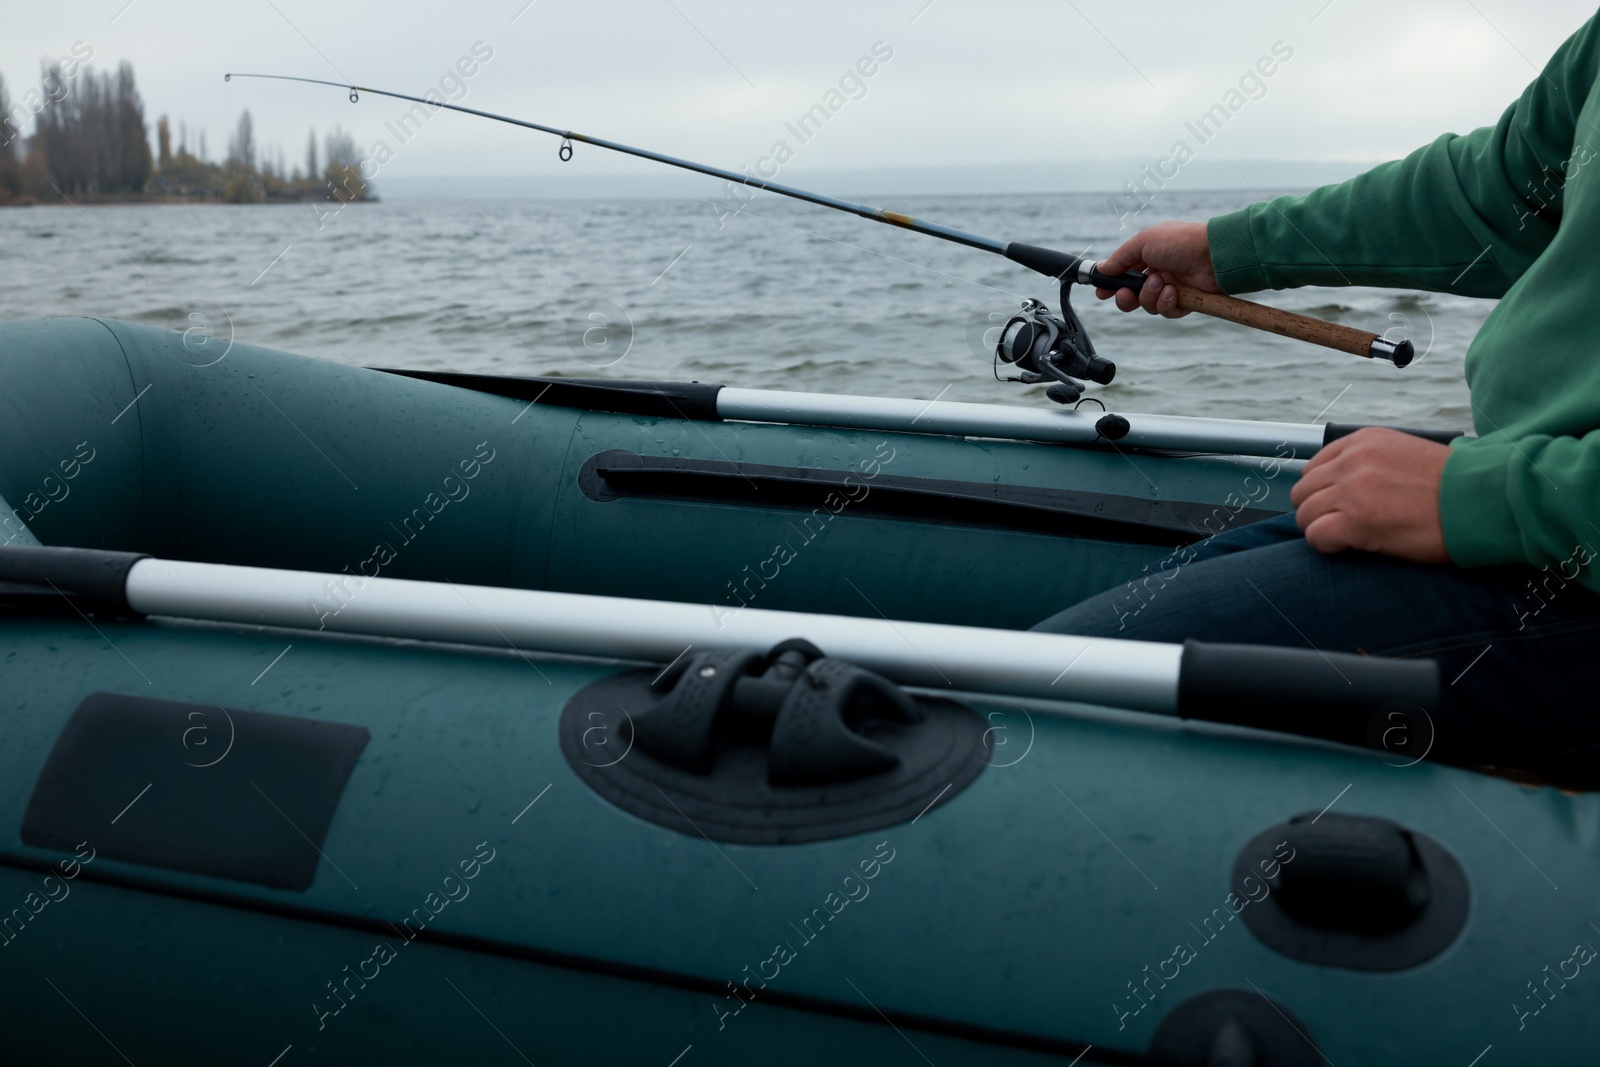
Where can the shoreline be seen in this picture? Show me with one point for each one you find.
(170, 201)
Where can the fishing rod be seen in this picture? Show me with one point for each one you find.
(1041, 345)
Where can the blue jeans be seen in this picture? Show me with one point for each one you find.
(1516, 646)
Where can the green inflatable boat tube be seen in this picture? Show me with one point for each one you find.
(228, 842)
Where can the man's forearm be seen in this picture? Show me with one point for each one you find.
(1464, 214)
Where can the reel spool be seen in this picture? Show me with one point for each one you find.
(1042, 345)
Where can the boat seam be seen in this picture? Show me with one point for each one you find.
(144, 459)
(649, 975)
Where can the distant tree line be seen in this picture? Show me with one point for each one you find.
(90, 142)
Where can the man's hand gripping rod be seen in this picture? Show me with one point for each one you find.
(1244, 312)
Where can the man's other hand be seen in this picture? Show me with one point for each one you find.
(1375, 490)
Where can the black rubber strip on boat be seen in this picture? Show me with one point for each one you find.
(668, 400)
(90, 579)
(656, 976)
(618, 474)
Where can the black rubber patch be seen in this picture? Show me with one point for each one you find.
(1430, 933)
(1232, 1026)
(193, 787)
(938, 758)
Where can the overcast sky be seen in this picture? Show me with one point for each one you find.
(998, 81)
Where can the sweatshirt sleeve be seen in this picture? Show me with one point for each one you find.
(1532, 500)
(1465, 214)
(1527, 488)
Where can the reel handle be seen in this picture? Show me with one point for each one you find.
(1272, 320)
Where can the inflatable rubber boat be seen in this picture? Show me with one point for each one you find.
(403, 717)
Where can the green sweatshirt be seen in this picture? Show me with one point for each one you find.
(1509, 211)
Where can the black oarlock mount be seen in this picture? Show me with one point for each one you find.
(770, 748)
(809, 708)
(1046, 346)
(1355, 891)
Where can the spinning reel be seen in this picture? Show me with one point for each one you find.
(1042, 345)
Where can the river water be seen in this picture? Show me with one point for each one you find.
(782, 295)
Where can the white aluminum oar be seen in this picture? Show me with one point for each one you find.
(1178, 433)
(1055, 425)
(1328, 695)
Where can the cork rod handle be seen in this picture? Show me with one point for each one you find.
(1273, 320)
(1278, 321)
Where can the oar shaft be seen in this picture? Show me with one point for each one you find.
(1176, 433)
(1335, 696)
(698, 400)
(1128, 674)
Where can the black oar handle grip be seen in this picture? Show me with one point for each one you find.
(1355, 700)
(89, 578)
(1335, 430)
